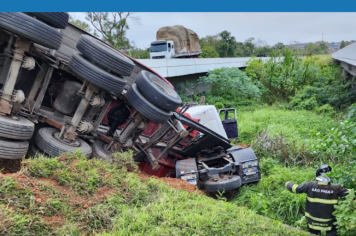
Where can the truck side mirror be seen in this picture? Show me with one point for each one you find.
(169, 47)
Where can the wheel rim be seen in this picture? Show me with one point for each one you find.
(72, 143)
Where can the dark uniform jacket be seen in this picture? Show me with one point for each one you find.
(320, 202)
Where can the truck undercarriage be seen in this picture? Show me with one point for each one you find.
(63, 90)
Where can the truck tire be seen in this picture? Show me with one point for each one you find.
(157, 91)
(46, 141)
(147, 109)
(34, 151)
(11, 149)
(99, 151)
(31, 29)
(105, 56)
(16, 127)
(57, 20)
(82, 67)
(222, 183)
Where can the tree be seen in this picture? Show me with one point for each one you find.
(343, 44)
(209, 52)
(248, 47)
(279, 45)
(226, 46)
(113, 27)
(138, 53)
(310, 49)
(260, 43)
(262, 51)
(80, 24)
(209, 41)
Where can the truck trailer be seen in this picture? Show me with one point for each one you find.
(175, 42)
(63, 89)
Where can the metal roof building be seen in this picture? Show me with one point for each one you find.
(347, 58)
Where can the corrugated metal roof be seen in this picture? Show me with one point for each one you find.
(347, 54)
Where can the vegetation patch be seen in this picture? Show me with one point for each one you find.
(70, 195)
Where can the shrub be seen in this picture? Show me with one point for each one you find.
(230, 84)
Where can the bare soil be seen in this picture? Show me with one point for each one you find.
(173, 182)
(9, 166)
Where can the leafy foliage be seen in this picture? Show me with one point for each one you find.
(209, 52)
(345, 212)
(346, 215)
(229, 85)
(80, 24)
(112, 27)
(338, 144)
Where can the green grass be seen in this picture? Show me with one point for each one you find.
(294, 125)
(135, 206)
(322, 59)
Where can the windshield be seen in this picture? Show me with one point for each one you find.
(159, 47)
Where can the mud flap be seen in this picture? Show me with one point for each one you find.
(187, 169)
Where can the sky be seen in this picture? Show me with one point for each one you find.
(270, 27)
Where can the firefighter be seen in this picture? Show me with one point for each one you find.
(321, 198)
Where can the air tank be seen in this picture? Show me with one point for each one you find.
(68, 100)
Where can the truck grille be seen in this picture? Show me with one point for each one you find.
(158, 57)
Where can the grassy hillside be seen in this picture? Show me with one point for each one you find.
(72, 196)
(295, 125)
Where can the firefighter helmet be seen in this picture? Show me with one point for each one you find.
(323, 169)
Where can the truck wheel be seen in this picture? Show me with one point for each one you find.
(57, 20)
(147, 109)
(47, 140)
(30, 28)
(16, 127)
(105, 56)
(158, 91)
(95, 75)
(11, 149)
(34, 151)
(99, 151)
(222, 183)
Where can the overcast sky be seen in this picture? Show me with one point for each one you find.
(271, 27)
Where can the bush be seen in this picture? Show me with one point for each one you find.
(345, 213)
(337, 144)
(325, 109)
(230, 85)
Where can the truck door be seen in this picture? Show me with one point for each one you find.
(229, 121)
(169, 50)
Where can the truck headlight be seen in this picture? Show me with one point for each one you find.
(249, 163)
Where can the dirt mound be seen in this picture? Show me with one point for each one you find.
(243, 145)
(173, 182)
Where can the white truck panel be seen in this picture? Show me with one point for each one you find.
(208, 117)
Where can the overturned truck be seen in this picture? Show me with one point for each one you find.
(63, 90)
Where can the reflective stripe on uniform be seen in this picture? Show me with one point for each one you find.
(294, 187)
(317, 219)
(325, 201)
(320, 183)
(287, 184)
(319, 227)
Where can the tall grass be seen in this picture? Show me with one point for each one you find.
(295, 125)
